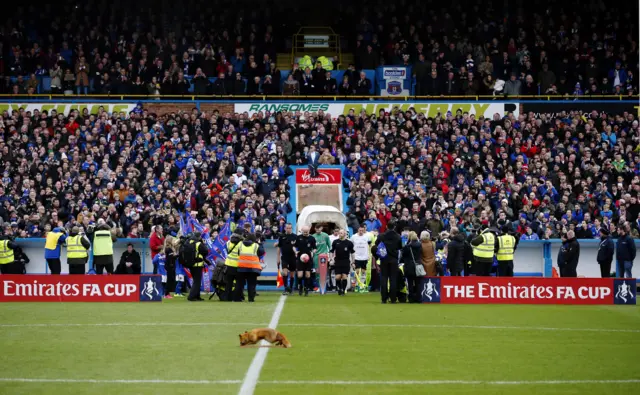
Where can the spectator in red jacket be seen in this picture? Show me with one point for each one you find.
(156, 241)
(384, 216)
(72, 125)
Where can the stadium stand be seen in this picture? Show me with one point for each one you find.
(548, 172)
(203, 48)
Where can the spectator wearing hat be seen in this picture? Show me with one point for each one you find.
(606, 250)
(240, 177)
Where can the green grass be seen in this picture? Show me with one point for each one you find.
(389, 343)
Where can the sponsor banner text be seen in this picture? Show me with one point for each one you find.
(528, 290)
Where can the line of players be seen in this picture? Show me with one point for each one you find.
(344, 255)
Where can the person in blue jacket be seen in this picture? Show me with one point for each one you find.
(625, 252)
(52, 249)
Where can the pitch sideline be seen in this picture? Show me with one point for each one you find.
(254, 324)
(317, 382)
(253, 373)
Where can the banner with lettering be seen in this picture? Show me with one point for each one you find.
(71, 288)
(528, 290)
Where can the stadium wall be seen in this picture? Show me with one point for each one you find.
(532, 258)
(333, 107)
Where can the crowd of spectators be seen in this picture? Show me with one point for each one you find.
(163, 48)
(545, 175)
(143, 47)
(498, 48)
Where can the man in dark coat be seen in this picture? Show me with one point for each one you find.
(605, 253)
(363, 85)
(571, 255)
(433, 84)
(389, 264)
(420, 70)
(330, 85)
(200, 83)
(130, 262)
(456, 253)
(625, 252)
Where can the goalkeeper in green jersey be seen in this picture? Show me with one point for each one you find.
(323, 245)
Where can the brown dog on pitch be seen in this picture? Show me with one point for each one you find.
(271, 335)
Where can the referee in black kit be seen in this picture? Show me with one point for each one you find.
(305, 244)
(287, 258)
(342, 250)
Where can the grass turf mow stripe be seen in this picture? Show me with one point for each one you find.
(321, 382)
(254, 324)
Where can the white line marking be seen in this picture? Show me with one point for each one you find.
(255, 324)
(253, 373)
(449, 382)
(98, 381)
(159, 324)
(523, 328)
(321, 382)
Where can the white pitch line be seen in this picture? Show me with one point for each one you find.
(254, 324)
(447, 382)
(253, 373)
(99, 381)
(321, 382)
(45, 325)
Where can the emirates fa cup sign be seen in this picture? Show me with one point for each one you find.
(521, 290)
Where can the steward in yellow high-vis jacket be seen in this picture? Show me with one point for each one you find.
(77, 251)
(231, 275)
(201, 252)
(505, 248)
(8, 264)
(249, 266)
(103, 239)
(483, 250)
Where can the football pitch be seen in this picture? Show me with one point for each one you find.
(341, 345)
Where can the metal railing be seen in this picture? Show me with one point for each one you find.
(301, 38)
(193, 97)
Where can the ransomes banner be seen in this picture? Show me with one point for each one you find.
(430, 109)
(528, 290)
